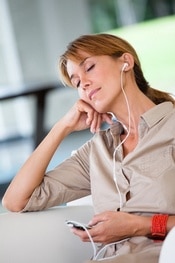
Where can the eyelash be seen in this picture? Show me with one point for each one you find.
(91, 67)
(78, 84)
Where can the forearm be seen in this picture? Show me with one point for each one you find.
(32, 172)
(142, 226)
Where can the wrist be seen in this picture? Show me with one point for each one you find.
(142, 226)
(62, 128)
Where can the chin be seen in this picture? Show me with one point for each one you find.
(100, 108)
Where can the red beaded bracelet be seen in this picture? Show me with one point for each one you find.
(159, 226)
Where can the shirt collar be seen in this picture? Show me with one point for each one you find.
(148, 119)
(154, 115)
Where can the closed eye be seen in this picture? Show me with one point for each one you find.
(91, 67)
(78, 84)
(88, 69)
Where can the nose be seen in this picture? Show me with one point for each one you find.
(85, 82)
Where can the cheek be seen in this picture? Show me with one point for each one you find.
(82, 94)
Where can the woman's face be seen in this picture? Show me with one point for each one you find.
(97, 79)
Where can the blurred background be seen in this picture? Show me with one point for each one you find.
(34, 33)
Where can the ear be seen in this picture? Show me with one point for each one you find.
(128, 58)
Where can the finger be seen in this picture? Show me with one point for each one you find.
(96, 122)
(107, 118)
(81, 234)
(90, 115)
(99, 218)
(99, 122)
(94, 119)
(86, 108)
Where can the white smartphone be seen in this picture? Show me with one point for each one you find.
(78, 225)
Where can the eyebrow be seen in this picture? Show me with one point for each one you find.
(81, 64)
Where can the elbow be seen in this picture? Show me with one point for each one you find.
(11, 205)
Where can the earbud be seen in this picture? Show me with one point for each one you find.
(124, 66)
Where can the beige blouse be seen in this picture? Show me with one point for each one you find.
(146, 175)
(145, 178)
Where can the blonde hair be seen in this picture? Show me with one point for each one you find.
(111, 45)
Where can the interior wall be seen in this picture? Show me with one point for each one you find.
(42, 30)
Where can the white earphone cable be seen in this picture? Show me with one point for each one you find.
(128, 133)
(95, 254)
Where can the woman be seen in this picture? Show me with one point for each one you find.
(129, 168)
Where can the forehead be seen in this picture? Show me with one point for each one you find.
(76, 62)
(71, 67)
(78, 56)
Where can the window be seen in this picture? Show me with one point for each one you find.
(106, 15)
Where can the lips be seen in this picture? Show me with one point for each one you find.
(92, 93)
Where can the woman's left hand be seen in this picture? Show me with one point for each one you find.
(112, 226)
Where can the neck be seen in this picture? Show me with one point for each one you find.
(135, 106)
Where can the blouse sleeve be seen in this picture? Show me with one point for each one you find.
(70, 180)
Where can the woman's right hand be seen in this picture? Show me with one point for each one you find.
(82, 116)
